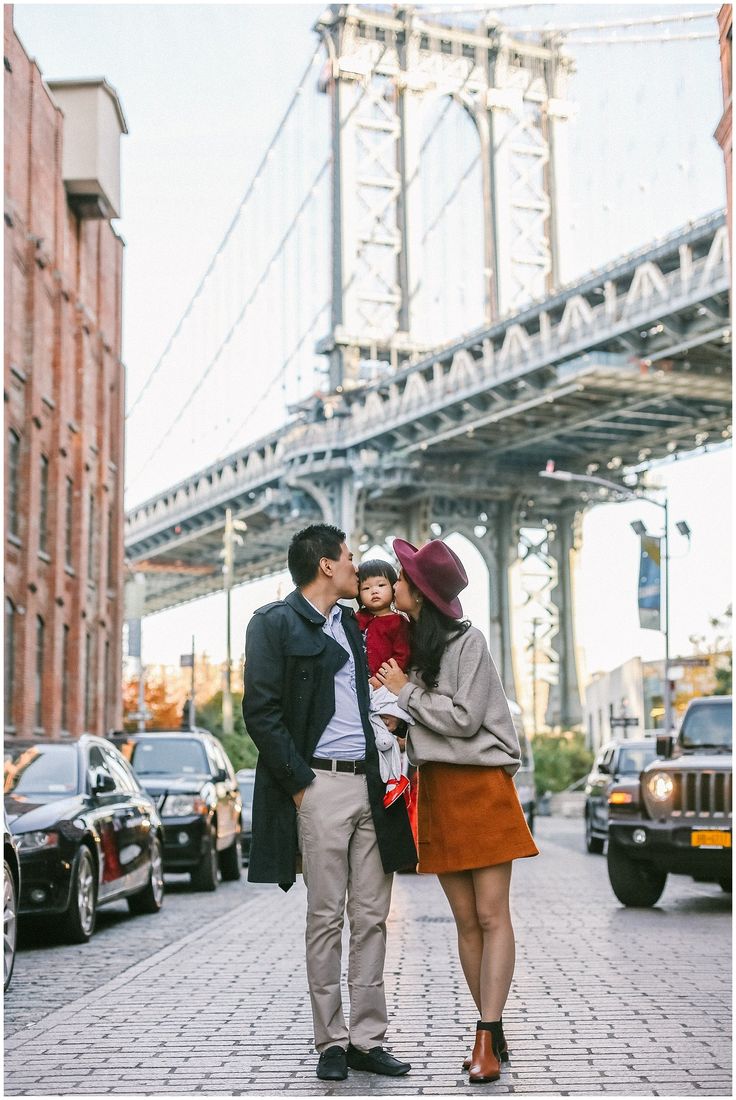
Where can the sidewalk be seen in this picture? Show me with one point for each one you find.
(605, 1000)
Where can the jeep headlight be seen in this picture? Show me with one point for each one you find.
(660, 786)
(183, 805)
(33, 842)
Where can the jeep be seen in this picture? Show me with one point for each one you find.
(676, 816)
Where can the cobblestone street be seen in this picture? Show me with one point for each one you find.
(210, 995)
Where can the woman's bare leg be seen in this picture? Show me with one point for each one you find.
(491, 892)
(460, 891)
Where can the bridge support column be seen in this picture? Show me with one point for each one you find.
(564, 709)
(498, 550)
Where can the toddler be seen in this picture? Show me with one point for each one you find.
(386, 633)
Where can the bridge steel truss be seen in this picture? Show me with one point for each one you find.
(383, 71)
(622, 369)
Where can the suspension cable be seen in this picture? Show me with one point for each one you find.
(228, 234)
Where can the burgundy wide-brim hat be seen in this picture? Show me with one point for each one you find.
(436, 571)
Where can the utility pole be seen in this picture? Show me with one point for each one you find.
(230, 538)
(535, 623)
(191, 696)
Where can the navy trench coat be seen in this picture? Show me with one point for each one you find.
(288, 700)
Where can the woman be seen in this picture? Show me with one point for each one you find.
(471, 824)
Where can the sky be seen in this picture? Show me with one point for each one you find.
(203, 88)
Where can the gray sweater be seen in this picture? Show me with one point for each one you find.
(466, 718)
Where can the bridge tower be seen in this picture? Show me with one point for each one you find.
(382, 71)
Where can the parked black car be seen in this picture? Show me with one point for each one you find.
(246, 778)
(190, 776)
(615, 759)
(524, 778)
(87, 832)
(11, 893)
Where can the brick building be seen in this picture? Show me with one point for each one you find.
(64, 393)
(723, 131)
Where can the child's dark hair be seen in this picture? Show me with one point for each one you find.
(377, 568)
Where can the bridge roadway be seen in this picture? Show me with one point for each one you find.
(625, 367)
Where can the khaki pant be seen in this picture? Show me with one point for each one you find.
(340, 859)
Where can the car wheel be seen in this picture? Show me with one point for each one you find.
(151, 897)
(638, 885)
(231, 860)
(10, 923)
(725, 885)
(594, 844)
(79, 923)
(204, 876)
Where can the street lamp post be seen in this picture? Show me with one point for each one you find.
(230, 538)
(629, 494)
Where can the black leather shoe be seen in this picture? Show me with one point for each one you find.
(332, 1064)
(376, 1060)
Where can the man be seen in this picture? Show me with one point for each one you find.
(318, 790)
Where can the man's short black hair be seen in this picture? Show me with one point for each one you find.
(309, 546)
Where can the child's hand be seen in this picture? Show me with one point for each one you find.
(374, 682)
(390, 721)
(391, 676)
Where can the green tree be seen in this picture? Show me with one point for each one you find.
(559, 760)
(238, 745)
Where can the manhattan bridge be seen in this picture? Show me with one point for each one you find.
(417, 378)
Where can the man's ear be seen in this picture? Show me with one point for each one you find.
(326, 565)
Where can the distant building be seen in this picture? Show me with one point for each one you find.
(64, 402)
(628, 701)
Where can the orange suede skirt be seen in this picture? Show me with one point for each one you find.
(469, 817)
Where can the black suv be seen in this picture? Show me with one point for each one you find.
(676, 816)
(191, 779)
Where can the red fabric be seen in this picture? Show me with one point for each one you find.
(385, 636)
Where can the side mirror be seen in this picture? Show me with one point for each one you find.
(103, 783)
(665, 742)
(604, 769)
(220, 776)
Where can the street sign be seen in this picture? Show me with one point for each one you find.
(186, 660)
(138, 715)
(622, 723)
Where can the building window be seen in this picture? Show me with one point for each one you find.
(68, 518)
(13, 478)
(91, 539)
(65, 678)
(88, 684)
(43, 517)
(40, 639)
(110, 550)
(107, 689)
(9, 661)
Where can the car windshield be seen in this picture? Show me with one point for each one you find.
(707, 726)
(633, 760)
(43, 771)
(169, 756)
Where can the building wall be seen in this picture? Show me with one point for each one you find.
(64, 400)
(620, 689)
(723, 132)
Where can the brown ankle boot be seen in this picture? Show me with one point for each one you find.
(503, 1051)
(485, 1063)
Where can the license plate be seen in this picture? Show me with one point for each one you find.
(710, 838)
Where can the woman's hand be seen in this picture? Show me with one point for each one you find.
(391, 676)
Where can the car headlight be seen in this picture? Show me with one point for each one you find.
(182, 805)
(660, 786)
(33, 842)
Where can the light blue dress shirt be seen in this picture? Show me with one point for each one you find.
(343, 737)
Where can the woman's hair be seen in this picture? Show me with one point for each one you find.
(429, 635)
(375, 568)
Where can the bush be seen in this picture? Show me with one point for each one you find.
(559, 760)
(238, 745)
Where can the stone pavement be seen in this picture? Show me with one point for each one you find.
(605, 1000)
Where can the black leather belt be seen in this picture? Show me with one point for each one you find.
(353, 767)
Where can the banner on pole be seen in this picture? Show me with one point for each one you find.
(650, 583)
